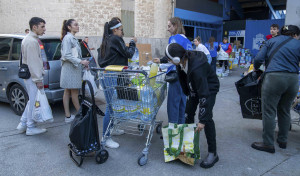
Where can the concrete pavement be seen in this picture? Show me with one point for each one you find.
(47, 154)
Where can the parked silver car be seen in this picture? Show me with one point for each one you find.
(12, 88)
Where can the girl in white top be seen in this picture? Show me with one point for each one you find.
(201, 47)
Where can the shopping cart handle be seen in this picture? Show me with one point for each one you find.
(121, 70)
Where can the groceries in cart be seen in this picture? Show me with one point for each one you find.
(134, 98)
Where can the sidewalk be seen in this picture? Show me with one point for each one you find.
(47, 154)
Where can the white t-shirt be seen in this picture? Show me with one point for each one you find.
(202, 48)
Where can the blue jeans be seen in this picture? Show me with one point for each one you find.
(108, 83)
(213, 64)
(176, 103)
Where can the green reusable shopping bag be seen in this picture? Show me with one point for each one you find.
(181, 142)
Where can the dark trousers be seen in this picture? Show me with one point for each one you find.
(209, 129)
(279, 89)
(225, 63)
(213, 64)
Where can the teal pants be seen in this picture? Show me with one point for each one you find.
(279, 89)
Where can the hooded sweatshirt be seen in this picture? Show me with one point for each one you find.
(199, 80)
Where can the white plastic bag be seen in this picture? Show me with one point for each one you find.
(42, 111)
(222, 55)
(87, 75)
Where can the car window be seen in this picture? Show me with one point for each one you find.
(16, 49)
(5, 44)
(52, 49)
(84, 51)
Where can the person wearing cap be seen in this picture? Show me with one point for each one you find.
(201, 84)
(113, 52)
(279, 87)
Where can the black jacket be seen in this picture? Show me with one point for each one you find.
(200, 79)
(116, 53)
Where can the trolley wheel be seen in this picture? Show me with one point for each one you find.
(74, 160)
(141, 127)
(142, 160)
(158, 129)
(290, 127)
(102, 156)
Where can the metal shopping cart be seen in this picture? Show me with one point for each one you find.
(133, 99)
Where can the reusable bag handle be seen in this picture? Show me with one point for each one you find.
(91, 90)
(181, 132)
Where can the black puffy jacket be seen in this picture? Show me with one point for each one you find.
(116, 53)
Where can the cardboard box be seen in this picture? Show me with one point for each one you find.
(145, 53)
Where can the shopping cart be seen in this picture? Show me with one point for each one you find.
(133, 99)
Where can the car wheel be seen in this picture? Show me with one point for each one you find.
(18, 98)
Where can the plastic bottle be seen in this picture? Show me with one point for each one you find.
(134, 61)
(153, 72)
(117, 105)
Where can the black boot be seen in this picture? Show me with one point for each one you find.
(210, 160)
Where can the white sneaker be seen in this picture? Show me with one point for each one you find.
(21, 128)
(70, 119)
(34, 131)
(111, 144)
(117, 132)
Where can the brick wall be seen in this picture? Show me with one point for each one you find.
(150, 15)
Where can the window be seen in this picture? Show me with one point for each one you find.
(127, 17)
(52, 49)
(5, 44)
(16, 49)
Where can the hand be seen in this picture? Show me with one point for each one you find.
(200, 126)
(220, 45)
(85, 63)
(134, 39)
(40, 85)
(156, 60)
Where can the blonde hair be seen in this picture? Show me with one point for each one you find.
(177, 23)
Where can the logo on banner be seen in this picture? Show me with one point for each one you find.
(257, 41)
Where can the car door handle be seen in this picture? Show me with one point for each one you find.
(3, 68)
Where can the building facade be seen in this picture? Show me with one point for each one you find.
(147, 18)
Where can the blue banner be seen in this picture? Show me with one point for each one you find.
(256, 32)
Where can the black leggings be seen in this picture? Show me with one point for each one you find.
(225, 63)
(209, 129)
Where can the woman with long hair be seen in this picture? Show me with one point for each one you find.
(113, 51)
(71, 70)
(176, 98)
(212, 47)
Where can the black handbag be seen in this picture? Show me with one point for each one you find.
(24, 72)
(172, 76)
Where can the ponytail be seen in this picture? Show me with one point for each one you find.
(104, 40)
(107, 32)
(65, 28)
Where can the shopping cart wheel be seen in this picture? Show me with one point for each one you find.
(158, 129)
(142, 160)
(101, 156)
